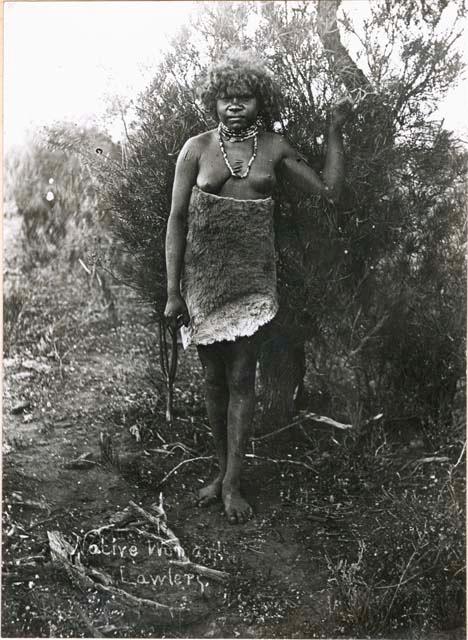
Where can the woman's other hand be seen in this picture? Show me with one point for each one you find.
(341, 111)
(176, 313)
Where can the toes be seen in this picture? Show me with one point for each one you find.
(205, 501)
(247, 514)
(239, 517)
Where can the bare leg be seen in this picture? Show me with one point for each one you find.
(241, 364)
(216, 400)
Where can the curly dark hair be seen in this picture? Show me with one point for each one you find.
(237, 72)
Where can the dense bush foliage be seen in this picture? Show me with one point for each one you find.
(373, 286)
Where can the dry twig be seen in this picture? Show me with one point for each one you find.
(431, 459)
(400, 583)
(160, 525)
(460, 456)
(168, 475)
(214, 574)
(296, 462)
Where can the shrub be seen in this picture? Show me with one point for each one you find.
(356, 281)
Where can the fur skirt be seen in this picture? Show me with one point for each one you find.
(229, 273)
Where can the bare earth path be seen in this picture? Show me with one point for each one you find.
(54, 412)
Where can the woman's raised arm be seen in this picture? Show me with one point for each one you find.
(295, 168)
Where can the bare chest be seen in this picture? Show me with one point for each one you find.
(220, 170)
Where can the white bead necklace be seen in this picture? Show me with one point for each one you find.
(252, 132)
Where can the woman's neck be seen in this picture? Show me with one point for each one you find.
(237, 135)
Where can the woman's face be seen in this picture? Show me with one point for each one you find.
(237, 108)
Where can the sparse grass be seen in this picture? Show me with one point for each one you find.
(13, 308)
(408, 570)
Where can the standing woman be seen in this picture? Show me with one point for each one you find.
(220, 255)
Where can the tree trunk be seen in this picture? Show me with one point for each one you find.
(338, 57)
(282, 362)
(282, 370)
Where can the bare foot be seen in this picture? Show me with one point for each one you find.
(237, 509)
(209, 494)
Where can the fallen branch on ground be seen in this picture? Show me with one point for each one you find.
(84, 461)
(62, 554)
(183, 560)
(307, 416)
(431, 459)
(35, 504)
(146, 534)
(178, 445)
(160, 525)
(214, 574)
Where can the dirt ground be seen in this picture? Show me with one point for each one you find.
(79, 371)
(275, 551)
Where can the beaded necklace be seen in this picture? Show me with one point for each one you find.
(238, 136)
(232, 136)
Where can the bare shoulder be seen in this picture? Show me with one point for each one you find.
(197, 144)
(280, 146)
(271, 137)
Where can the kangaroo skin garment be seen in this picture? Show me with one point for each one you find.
(229, 273)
